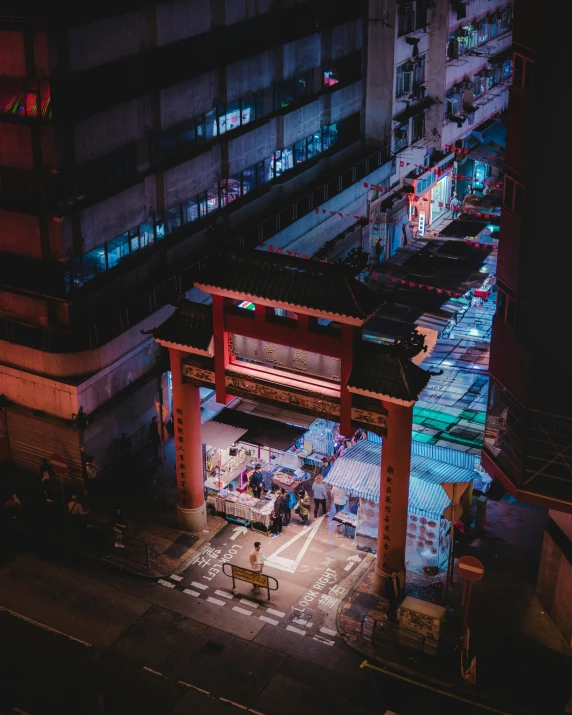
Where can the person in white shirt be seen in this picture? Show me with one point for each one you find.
(257, 559)
(340, 498)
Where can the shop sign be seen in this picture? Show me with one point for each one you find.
(195, 373)
(286, 358)
(421, 226)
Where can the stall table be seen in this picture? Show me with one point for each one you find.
(348, 520)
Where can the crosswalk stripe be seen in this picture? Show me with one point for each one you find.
(268, 620)
(166, 583)
(216, 601)
(246, 602)
(224, 594)
(191, 593)
(324, 640)
(328, 631)
(275, 613)
(199, 585)
(175, 577)
(242, 610)
(296, 630)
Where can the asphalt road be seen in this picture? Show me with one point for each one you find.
(145, 648)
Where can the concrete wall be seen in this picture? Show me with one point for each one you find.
(188, 99)
(189, 178)
(108, 39)
(258, 144)
(12, 59)
(380, 70)
(109, 130)
(251, 74)
(38, 392)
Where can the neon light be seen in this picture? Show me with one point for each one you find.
(247, 305)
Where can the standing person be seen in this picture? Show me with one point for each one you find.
(257, 560)
(90, 477)
(285, 496)
(320, 495)
(255, 480)
(47, 477)
(455, 205)
(278, 511)
(326, 466)
(12, 505)
(155, 437)
(340, 498)
(393, 594)
(78, 516)
(118, 525)
(303, 507)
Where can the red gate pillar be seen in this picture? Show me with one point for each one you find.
(191, 510)
(394, 493)
(221, 354)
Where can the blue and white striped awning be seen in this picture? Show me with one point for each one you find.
(357, 472)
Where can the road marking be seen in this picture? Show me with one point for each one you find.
(246, 602)
(309, 624)
(290, 565)
(275, 613)
(175, 577)
(242, 610)
(194, 687)
(216, 601)
(296, 630)
(224, 594)
(43, 625)
(419, 684)
(328, 631)
(166, 583)
(324, 640)
(231, 702)
(199, 585)
(191, 593)
(300, 621)
(155, 672)
(268, 620)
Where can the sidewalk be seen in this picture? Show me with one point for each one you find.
(523, 665)
(154, 546)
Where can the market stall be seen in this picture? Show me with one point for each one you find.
(357, 472)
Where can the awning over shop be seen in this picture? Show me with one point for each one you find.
(218, 435)
(357, 472)
(468, 229)
(259, 431)
(486, 154)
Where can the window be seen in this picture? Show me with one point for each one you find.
(117, 249)
(314, 144)
(404, 79)
(187, 134)
(133, 241)
(300, 152)
(303, 84)
(405, 19)
(330, 78)
(190, 210)
(284, 160)
(506, 308)
(513, 196)
(482, 32)
(248, 109)
(329, 136)
(400, 137)
(421, 14)
(523, 73)
(93, 263)
(418, 127)
(264, 102)
(173, 218)
(146, 234)
(210, 124)
(283, 93)
(229, 117)
(248, 179)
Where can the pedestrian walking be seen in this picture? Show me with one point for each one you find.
(90, 477)
(393, 594)
(118, 526)
(303, 506)
(155, 438)
(455, 205)
(78, 516)
(47, 477)
(257, 559)
(340, 498)
(287, 516)
(277, 513)
(320, 495)
(255, 480)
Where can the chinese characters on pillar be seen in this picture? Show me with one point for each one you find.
(180, 457)
(385, 506)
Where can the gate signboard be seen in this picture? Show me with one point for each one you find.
(256, 578)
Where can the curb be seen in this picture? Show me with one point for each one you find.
(393, 669)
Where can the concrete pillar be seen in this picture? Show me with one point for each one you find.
(191, 509)
(221, 356)
(394, 493)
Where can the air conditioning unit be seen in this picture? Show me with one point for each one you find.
(454, 103)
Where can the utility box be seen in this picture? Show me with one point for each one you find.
(481, 515)
(420, 624)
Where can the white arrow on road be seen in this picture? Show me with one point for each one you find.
(353, 561)
(238, 530)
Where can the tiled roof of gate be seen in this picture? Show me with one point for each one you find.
(382, 372)
(191, 325)
(297, 282)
